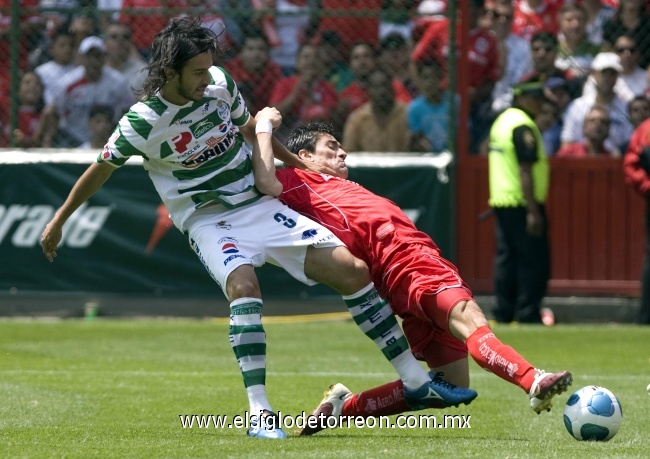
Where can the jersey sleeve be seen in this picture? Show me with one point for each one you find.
(238, 111)
(525, 143)
(128, 139)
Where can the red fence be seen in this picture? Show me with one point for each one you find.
(596, 228)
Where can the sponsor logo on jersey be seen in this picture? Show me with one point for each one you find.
(223, 109)
(201, 128)
(227, 239)
(106, 154)
(326, 238)
(223, 145)
(181, 122)
(181, 141)
(206, 108)
(229, 247)
(223, 225)
(309, 234)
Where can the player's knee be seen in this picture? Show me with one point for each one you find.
(242, 283)
(465, 318)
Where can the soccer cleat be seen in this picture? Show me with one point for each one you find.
(330, 406)
(266, 426)
(545, 386)
(438, 393)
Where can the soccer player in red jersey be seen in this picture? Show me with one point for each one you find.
(442, 322)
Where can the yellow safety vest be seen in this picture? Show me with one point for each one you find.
(505, 182)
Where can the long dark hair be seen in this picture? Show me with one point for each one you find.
(306, 137)
(180, 41)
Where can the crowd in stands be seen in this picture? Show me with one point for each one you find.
(376, 69)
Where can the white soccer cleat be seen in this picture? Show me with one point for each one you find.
(330, 406)
(545, 387)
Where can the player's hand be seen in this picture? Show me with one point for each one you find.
(534, 224)
(270, 113)
(50, 240)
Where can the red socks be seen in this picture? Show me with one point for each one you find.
(384, 400)
(491, 354)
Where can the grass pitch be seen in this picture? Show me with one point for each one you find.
(116, 388)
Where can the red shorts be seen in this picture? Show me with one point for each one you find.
(424, 292)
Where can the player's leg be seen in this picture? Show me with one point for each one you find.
(229, 260)
(468, 322)
(338, 268)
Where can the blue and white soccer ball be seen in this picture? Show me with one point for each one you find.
(593, 413)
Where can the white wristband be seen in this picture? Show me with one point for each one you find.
(264, 126)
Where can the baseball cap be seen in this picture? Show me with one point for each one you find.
(89, 43)
(606, 60)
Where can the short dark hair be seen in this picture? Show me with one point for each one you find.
(546, 38)
(182, 39)
(306, 137)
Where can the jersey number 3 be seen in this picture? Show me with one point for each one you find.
(289, 223)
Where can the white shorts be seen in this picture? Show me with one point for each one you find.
(265, 231)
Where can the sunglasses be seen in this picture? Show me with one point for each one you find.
(622, 49)
(117, 36)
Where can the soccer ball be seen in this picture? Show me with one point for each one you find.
(593, 413)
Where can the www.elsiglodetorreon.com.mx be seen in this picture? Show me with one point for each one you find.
(422, 421)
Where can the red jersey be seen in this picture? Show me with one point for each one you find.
(323, 95)
(261, 83)
(483, 51)
(528, 22)
(384, 238)
(636, 164)
(352, 20)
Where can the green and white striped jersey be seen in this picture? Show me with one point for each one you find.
(194, 153)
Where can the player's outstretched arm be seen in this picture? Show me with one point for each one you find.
(263, 161)
(87, 185)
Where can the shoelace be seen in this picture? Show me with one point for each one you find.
(438, 379)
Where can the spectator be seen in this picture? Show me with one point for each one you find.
(101, 125)
(53, 71)
(335, 67)
(533, 16)
(122, 56)
(109, 11)
(558, 98)
(484, 66)
(632, 18)
(597, 13)
(576, 51)
(56, 13)
(638, 110)
(30, 29)
(145, 18)
(428, 114)
(363, 61)
(595, 131)
(514, 53)
(394, 51)
(632, 79)
(380, 124)
(253, 67)
(293, 25)
(519, 179)
(82, 26)
(353, 20)
(549, 123)
(428, 11)
(28, 131)
(305, 96)
(92, 83)
(396, 18)
(636, 167)
(606, 67)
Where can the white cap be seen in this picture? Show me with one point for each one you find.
(432, 7)
(604, 61)
(89, 43)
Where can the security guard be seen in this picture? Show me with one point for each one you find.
(519, 177)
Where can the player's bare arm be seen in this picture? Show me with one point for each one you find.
(263, 161)
(87, 185)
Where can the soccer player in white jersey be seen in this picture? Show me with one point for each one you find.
(191, 128)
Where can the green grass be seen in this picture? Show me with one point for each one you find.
(115, 388)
